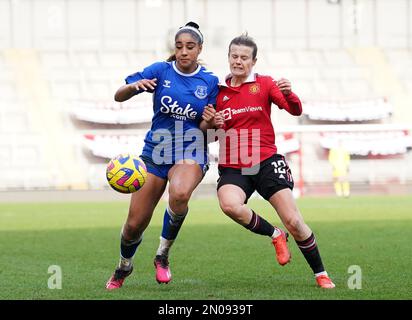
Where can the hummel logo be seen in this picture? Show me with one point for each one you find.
(166, 84)
(225, 98)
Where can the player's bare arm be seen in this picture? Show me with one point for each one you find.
(127, 91)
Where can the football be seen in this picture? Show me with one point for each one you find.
(126, 173)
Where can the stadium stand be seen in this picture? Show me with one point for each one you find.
(108, 146)
(112, 112)
(59, 90)
(379, 143)
(348, 110)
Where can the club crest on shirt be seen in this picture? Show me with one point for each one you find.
(201, 92)
(254, 88)
(227, 114)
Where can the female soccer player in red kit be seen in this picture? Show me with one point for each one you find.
(243, 109)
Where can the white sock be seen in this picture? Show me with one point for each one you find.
(164, 247)
(276, 233)
(323, 273)
(177, 216)
(125, 263)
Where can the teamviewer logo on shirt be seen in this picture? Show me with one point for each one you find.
(227, 114)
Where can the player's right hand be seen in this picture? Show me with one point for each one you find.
(145, 84)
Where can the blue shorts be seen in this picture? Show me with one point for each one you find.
(162, 170)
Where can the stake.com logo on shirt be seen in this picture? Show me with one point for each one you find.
(229, 112)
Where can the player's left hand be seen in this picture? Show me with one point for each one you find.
(208, 113)
(284, 86)
(219, 120)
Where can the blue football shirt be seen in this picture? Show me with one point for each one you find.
(178, 103)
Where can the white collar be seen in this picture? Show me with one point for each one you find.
(185, 74)
(251, 78)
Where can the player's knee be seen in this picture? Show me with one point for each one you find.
(180, 196)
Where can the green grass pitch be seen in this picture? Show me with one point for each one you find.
(213, 258)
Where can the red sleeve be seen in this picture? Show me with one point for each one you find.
(291, 102)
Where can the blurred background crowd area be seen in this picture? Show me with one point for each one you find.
(61, 61)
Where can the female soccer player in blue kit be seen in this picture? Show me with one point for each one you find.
(175, 150)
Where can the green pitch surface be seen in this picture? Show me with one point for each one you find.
(213, 258)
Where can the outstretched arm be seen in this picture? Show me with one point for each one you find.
(127, 91)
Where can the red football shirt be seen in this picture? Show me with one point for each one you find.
(249, 134)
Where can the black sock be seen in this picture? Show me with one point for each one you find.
(310, 251)
(128, 248)
(260, 226)
(172, 223)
